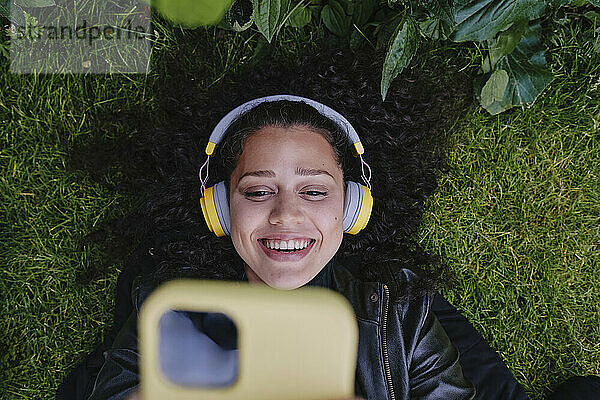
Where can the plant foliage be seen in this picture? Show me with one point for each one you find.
(513, 71)
(14, 10)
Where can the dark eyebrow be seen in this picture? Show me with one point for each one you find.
(299, 171)
(261, 173)
(312, 172)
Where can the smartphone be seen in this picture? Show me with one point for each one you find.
(219, 340)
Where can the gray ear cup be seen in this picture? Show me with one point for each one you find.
(352, 204)
(222, 206)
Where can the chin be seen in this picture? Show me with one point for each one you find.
(284, 287)
(286, 283)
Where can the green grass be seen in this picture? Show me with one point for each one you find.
(516, 215)
(45, 213)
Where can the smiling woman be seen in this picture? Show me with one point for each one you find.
(289, 179)
(286, 206)
(273, 215)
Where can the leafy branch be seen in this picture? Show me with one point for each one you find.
(513, 71)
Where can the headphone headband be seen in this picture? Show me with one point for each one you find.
(219, 131)
(358, 201)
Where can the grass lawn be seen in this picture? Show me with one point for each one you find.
(516, 216)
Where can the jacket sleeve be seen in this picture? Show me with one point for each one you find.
(434, 369)
(119, 377)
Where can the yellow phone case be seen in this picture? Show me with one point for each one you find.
(297, 344)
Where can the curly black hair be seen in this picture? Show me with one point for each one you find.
(401, 145)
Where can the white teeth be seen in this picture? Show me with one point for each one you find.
(286, 245)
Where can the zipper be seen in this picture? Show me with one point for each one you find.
(386, 362)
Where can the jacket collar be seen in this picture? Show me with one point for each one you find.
(342, 276)
(364, 296)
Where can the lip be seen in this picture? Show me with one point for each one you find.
(285, 257)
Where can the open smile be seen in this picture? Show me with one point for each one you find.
(286, 250)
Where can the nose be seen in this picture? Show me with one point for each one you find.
(286, 210)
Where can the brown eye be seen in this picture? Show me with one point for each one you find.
(258, 193)
(315, 193)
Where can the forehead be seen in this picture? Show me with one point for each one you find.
(297, 140)
(275, 147)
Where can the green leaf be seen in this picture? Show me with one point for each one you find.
(440, 9)
(435, 28)
(5, 8)
(385, 27)
(14, 14)
(35, 3)
(571, 3)
(239, 28)
(299, 17)
(595, 2)
(239, 17)
(335, 19)
(482, 20)
(193, 13)
(269, 16)
(348, 6)
(527, 73)
(363, 9)
(494, 88)
(402, 47)
(559, 3)
(356, 39)
(504, 44)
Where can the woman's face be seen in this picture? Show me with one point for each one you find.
(286, 206)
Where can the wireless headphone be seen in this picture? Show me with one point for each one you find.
(358, 200)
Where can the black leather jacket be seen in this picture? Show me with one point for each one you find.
(403, 351)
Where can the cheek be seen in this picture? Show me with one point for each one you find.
(330, 216)
(238, 209)
(237, 214)
(331, 226)
(245, 217)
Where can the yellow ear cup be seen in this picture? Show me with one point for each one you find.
(364, 214)
(209, 211)
(203, 206)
